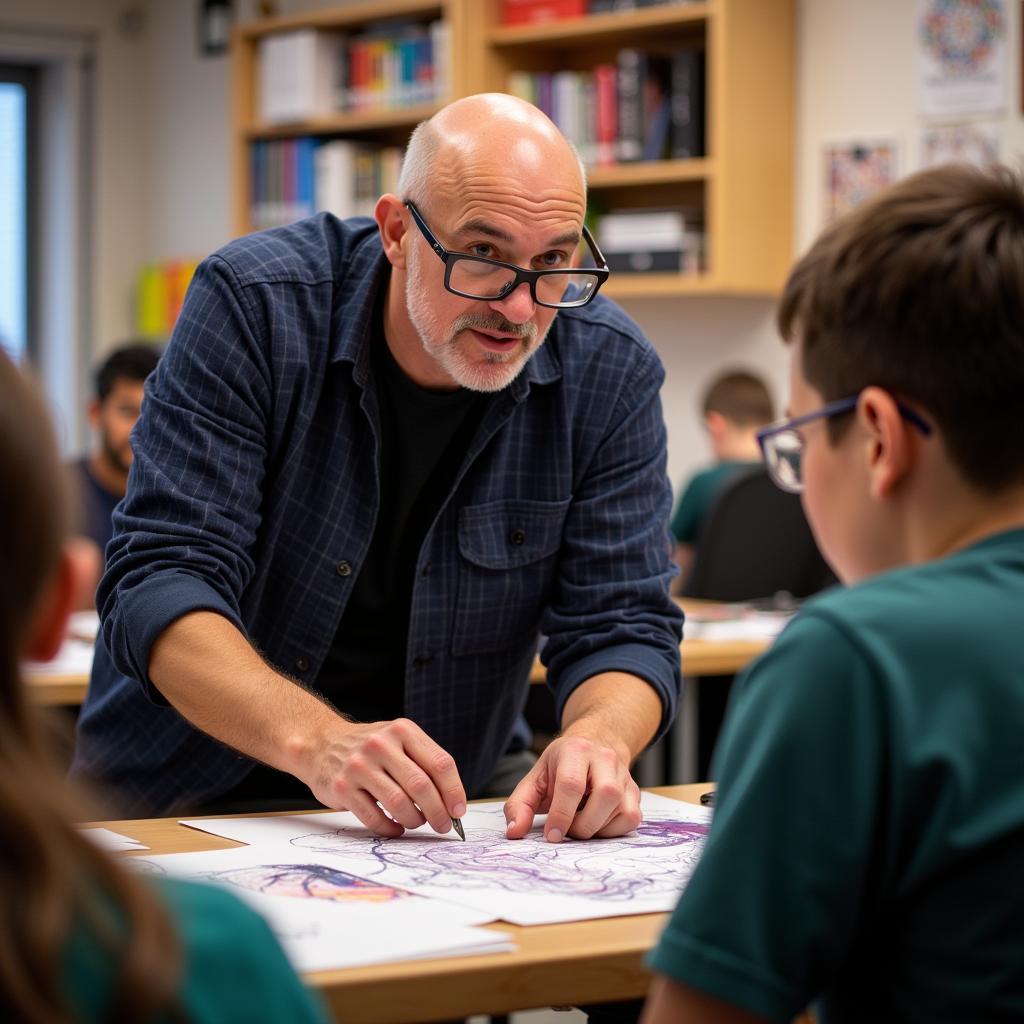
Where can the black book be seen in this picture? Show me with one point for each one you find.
(687, 104)
(632, 73)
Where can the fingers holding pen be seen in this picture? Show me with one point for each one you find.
(394, 765)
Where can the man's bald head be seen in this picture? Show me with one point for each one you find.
(485, 133)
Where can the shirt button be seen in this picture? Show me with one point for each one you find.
(343, 568)
(517, 537)
(302, 663)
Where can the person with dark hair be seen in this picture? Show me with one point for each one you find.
(869, 819)
(113, 410)
(84, 940)
(736, 404)
(377, 460)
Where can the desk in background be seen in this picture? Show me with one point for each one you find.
(554, 965)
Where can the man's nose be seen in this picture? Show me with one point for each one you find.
(518, 306)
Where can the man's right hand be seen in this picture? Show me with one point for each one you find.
(391, 765)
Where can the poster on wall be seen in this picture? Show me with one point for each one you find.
(961, 56)
(970, 142)
(854, 170)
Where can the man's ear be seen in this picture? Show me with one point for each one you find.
(889, 448)
(93, 412)
(48, 625)
(390, 216)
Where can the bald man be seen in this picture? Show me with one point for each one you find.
(378, 459)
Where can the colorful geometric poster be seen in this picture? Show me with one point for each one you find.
(855, 170)
(969, 142)
(961, 56)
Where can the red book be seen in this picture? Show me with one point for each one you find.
(605, 84)
(526, 12)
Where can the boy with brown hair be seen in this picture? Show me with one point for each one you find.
(869, 827)
(735, 405)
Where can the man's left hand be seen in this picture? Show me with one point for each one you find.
(584, 786)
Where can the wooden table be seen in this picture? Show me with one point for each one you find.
(553, 965)
(700, 658)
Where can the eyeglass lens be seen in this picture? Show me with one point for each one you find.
(784, 451)
(482, 280)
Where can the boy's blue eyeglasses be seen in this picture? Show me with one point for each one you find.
(475, 277)
(782, 444)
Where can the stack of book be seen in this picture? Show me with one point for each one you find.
(295, 178)
(652, 241)
(645, 106)
(309, 73)
(526, 12)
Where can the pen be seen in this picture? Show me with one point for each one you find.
(457, 825)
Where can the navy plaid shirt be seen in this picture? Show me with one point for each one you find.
(253, 493)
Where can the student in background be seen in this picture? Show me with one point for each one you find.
(113, 410)
(735, 406)
(84, 940)
(869, 822)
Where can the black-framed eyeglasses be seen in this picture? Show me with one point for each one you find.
(782, 444)
(476, 277)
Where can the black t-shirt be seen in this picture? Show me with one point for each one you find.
(424, 436)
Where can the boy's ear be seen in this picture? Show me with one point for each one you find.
(93, 412)
(889, 451)
(48, 625)
(390, 216)
(717, 425)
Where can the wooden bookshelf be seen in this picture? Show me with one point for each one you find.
(744, 185)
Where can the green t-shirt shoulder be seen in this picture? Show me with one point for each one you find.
(234, 968)
(698, 496)
(869, 825)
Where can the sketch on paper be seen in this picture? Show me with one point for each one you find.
(602, 869)
(525, 881)
(307, 881)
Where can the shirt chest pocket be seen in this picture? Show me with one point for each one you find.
(508, 553)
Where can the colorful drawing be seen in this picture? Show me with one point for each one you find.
(961, 35)
(603, 869)
(854, 171)
(961, 56)
(970, 142)
(307, 881)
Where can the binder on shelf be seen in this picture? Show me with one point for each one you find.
(298, 75)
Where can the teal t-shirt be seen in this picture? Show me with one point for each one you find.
(697, 498)
(234, 968)
(867, 848)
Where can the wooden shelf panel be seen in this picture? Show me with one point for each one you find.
(351, 16)
(653, 172)
(343, 122)
(623, 27)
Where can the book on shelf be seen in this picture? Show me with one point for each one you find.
(607, 6)
(531, 12)
(295, 178)
(635, 109)
(686, 103)
(395, 64)
(297, 75)
(652, 241)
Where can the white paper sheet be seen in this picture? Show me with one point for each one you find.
(324, 918)
(527, 881)
(110, 840)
